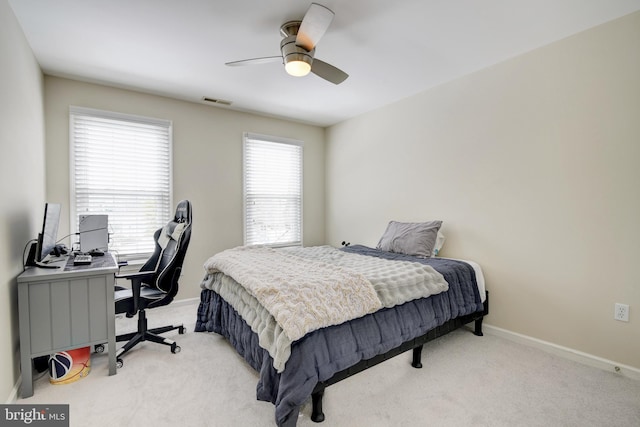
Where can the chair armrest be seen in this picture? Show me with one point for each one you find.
(136, 284)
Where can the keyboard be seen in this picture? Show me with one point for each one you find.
(81, 259)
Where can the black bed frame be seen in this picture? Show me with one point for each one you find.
(415, 344)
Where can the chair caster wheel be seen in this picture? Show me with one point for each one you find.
(119, 363)
(181, 330)
(175, 348)
(99, 348)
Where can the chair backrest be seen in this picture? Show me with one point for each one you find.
(171, 247)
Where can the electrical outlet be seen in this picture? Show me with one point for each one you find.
(621, 312)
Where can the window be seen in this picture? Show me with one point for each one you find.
(121, 167)
(272, 191)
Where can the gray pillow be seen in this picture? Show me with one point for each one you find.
(410, 238)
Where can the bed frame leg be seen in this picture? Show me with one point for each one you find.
(317, 415)
(417, 357)
(478, 327)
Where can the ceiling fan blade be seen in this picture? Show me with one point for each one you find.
(328, 72)
(314, 25)
(255, 61)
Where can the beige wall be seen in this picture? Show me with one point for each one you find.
(207, 163)
(22, 171)
(532, 164)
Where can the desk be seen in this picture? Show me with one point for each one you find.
(65, 308)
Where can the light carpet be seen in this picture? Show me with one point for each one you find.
(466, 381)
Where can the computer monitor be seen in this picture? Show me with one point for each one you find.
(48, 238)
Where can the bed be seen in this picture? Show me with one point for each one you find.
(297, 362)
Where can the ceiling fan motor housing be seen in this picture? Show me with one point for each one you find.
(292, 52)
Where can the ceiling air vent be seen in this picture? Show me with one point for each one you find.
(216, 101)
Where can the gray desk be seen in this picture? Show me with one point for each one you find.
(65, 308)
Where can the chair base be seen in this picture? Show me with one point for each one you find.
(145, 334)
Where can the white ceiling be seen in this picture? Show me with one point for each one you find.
(390, 49)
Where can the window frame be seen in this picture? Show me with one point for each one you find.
(275, 140)
(124, 117)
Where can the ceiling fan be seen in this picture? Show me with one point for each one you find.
(299, 46)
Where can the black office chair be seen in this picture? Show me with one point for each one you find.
(156, 284)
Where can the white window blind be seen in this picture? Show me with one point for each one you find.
(121, 167)
(272, 191)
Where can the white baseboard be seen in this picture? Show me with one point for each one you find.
(567, 353)
(185, 301)
(13, 396)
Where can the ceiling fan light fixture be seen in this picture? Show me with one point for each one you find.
(297, 68)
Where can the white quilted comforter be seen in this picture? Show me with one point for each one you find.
(285, 294)
(395, 282)
(302, 296)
